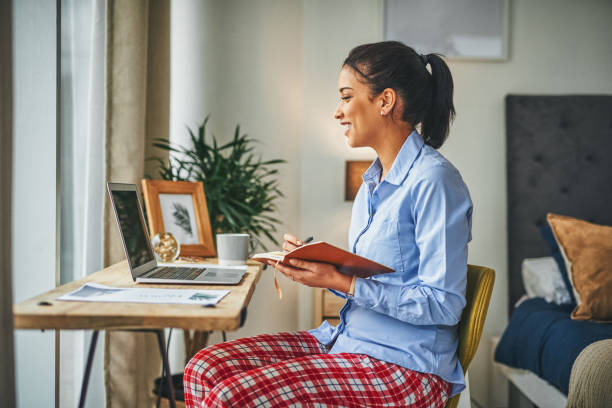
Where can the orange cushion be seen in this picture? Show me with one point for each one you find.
(587, 250)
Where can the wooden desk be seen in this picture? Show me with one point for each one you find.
(63, 315)
(227, 315)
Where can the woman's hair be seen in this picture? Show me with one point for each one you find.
(427, 98)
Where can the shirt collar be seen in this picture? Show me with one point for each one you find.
(401, 165)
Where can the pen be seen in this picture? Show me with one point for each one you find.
(307, 240)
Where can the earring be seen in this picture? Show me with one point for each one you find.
(382, 113)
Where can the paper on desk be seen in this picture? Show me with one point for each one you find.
(95, 292)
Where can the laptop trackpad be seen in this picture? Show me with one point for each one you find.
(220, 276)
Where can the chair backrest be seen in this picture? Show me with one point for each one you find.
(478, 294)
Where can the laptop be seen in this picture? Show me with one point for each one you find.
(138, 251)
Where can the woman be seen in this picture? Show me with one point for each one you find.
(396, 341)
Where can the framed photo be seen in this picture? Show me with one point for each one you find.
(179, 207)
(458, 29)
(352, 177)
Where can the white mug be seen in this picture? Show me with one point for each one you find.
(232, 249)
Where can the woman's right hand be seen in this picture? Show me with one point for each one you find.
(291, 242)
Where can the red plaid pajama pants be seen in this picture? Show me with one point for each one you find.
(294, 369)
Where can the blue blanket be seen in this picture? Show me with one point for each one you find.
(541, 337)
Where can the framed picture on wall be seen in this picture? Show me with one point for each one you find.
(354, 169)
(179, 207)
(457, 29)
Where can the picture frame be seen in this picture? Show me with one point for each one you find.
(354, 169)
(179, 207)
(461, 30)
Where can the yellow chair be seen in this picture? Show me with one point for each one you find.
(478, 294)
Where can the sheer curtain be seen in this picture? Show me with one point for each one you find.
(82, 177)
(115, 100)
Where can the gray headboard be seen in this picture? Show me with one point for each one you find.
(559, 159)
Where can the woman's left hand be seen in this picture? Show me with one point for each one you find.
(314, 274)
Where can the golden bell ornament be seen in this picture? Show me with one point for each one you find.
(165, 247)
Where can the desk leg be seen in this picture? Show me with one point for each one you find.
(90, 356)
(162, 350)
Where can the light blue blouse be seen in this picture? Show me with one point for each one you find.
(417, 221)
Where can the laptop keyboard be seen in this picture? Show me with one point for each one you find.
(176, 273)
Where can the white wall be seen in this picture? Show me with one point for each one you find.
(34, 190)
(331, 30)
(273, 66)
(240, 62)
(556, 47)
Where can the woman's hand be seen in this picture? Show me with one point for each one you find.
(314, 274)
(291, 242)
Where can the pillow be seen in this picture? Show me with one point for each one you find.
(542, 278)
(587, 251)
(549, 238)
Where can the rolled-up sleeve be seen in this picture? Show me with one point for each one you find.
(442, 210)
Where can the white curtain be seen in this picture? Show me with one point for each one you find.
(82, 178)
(109, 119)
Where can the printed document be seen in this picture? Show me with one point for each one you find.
(95, 292)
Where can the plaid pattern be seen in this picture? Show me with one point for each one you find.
(294, 370)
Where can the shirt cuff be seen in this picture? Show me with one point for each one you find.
(376, 295)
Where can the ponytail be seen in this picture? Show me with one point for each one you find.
(441, 111)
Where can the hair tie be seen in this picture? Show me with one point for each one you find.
(424, 58)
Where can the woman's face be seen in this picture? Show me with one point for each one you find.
(357, 111)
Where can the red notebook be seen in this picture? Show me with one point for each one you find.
(346, 262)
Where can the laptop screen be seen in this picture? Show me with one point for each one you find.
(132, 226)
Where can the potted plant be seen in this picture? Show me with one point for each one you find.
(241, 189)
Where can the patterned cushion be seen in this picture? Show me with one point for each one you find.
(587, 251)
(542, 278)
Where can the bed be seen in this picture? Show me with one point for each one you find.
(558, 160)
